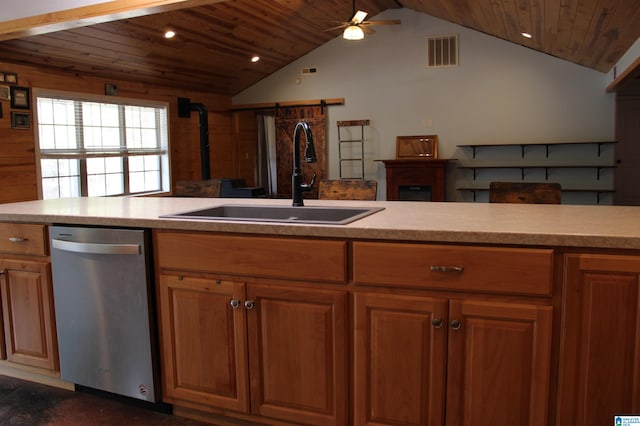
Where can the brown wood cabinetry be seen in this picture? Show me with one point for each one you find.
(439, 358)
(29, 337)
(399, 359)
(204, 346)
(600, 354)
(262, 349)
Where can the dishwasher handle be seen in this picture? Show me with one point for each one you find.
(95, 248)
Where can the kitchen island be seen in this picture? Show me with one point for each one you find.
(549, 225)
(422, 313)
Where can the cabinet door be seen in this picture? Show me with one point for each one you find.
(498, 363)
(298, 354)
(27, 310)
(600, 350)
(399, 359)
(203, 342)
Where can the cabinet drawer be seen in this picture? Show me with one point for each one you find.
(289, 258)
(485, 269)
(22, 238)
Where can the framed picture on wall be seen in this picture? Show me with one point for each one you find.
(11, 77)
(20, 120)
(5, 94)
(20, 97)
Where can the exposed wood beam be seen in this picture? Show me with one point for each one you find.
(91, 15)
(285, 104)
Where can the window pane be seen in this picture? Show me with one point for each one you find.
(96, 186)
(151, 181)
(113, 165)
(136, 163)
(46, 136)
(114, 184)
(151, 162)
(95, 166)
(100, 136)
(69, 186)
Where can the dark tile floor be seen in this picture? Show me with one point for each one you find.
(30, 404)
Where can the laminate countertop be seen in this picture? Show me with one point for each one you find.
(452, 222)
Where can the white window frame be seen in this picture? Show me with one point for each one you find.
(122, 152)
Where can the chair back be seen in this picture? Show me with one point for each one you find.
(347, 189)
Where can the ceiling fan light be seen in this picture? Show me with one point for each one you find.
(353, 32)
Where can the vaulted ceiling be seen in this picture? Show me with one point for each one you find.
(216, 39)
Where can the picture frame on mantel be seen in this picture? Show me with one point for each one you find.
(20, 98)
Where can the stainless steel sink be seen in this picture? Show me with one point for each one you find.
(286, 214)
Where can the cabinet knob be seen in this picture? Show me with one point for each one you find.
(439, 268)
(249, 304)
(455, 324)
(1, 272)
(235, 303)
(437, 323)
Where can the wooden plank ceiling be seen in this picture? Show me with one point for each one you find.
(215, 41)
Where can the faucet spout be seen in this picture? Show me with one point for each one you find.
(297, 187)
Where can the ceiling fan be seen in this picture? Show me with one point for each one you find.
(355, 28)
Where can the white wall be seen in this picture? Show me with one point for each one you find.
(500, 93)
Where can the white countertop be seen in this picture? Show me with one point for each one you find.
(521, 224)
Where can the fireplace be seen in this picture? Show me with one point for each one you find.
(416, 180)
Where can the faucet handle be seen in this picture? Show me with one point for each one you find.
(309, 186)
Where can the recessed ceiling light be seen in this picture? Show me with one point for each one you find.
(255, 58)
(169, 34)
(526, 35)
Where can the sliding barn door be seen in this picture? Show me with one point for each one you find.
(286, 120)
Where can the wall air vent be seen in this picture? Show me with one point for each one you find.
(310, 70)
(442, 51)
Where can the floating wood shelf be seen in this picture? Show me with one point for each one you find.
(523, 146)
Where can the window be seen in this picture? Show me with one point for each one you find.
(97, 147)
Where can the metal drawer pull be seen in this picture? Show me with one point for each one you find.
(17, 239)
(455, 324)
(436, 268)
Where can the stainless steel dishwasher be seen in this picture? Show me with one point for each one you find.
(101, 287)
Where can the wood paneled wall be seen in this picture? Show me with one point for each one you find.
(18, 180)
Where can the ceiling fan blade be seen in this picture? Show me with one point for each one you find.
(343, 25)
(367, 30)
(358, 17)
(390, 22)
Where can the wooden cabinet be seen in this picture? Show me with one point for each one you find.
(600, 354)
(263, 349)
(498, 363)
(399, 359)
(442, 358)
(297, 354)
(26, 292)
(204, 345)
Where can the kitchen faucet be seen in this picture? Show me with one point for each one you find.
(298, 188)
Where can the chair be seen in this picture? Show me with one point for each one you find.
(525, 193)
(347, 189)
